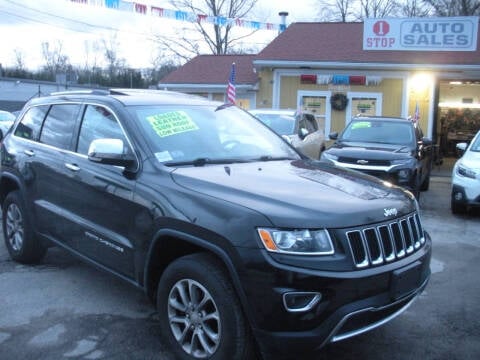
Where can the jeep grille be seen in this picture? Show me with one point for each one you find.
(386, 242)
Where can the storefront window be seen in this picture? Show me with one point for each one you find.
(368, 104)
(316, 105)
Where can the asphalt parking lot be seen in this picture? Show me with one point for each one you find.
(64, 309)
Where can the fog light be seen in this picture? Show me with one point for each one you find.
(458, 196)
(404, 174)
(301, 301)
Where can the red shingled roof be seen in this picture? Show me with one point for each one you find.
(214, 69)
(311, 42)
(343, 42)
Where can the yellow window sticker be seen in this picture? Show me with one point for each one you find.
(171, 123)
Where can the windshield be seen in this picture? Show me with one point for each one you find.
(6, 116)
(476, 144)
(378, 131)
(207, 134)
(282, 124)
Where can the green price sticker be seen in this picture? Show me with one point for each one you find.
(171, 123)
(361, 124)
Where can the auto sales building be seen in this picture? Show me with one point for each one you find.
(427, 68)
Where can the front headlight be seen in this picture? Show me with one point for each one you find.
(467, 172)
(328, 156)
(301, 242)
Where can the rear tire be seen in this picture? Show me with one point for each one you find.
(200, 314)
(18, 233)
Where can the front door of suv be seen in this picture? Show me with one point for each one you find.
(99, 204)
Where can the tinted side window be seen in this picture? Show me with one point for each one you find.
(311, 123)
(307, 124)
(29, 126)
(58, 127)
(98, 123)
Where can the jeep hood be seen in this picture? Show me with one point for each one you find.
(301, 193)
(370, 151)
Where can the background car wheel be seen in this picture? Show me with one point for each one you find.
(18, 233)
(200, 315)
(425, 183)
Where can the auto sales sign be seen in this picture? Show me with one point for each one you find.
(421, 34)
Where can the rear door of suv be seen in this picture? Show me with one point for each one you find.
(42, 138)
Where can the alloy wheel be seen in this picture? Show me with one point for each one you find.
(194, 318)
(14, 227)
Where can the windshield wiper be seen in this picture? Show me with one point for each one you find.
(224, 106)
(204, 161)
(272, 158)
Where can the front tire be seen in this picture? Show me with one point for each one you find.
(200, 314)
(19, 237)
(425, 184)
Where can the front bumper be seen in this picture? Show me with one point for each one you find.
(466, 191)
(400, 175)
(351, 302)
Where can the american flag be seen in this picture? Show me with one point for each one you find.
(416, 116)
(231, 86)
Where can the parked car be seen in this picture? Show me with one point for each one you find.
(299, 128)
(466, 177)
(242, 245)
(392, 149)
(6, 121)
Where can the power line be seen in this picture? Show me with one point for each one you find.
(82, 23)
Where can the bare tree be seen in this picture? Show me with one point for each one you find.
(415, 8)
(455, 7)
(55, 60)
(338, 10)
(217, 37)
(110, 53)
(378, 8)
(19, 60)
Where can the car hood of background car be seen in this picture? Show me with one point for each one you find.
(471, 159)
(289, 193)
(375, 151)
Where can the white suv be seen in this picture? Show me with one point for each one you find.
(466, 177)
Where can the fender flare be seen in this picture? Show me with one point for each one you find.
(208, 246)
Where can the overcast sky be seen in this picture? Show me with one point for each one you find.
(25, 24)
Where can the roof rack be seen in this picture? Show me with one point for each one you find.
(82, 92)
(105, 92)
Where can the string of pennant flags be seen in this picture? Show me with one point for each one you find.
(144, 9)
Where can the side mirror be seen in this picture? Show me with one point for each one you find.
(333, 136)
(461, 147)
(110, 152)
(427, 141)
(302, 133)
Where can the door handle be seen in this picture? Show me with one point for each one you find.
(29, 152)
(72, 167)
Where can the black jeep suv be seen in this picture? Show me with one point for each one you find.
(244, 245)
(392, 149)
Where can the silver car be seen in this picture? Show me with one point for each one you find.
(299, 128)
(6, 121)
